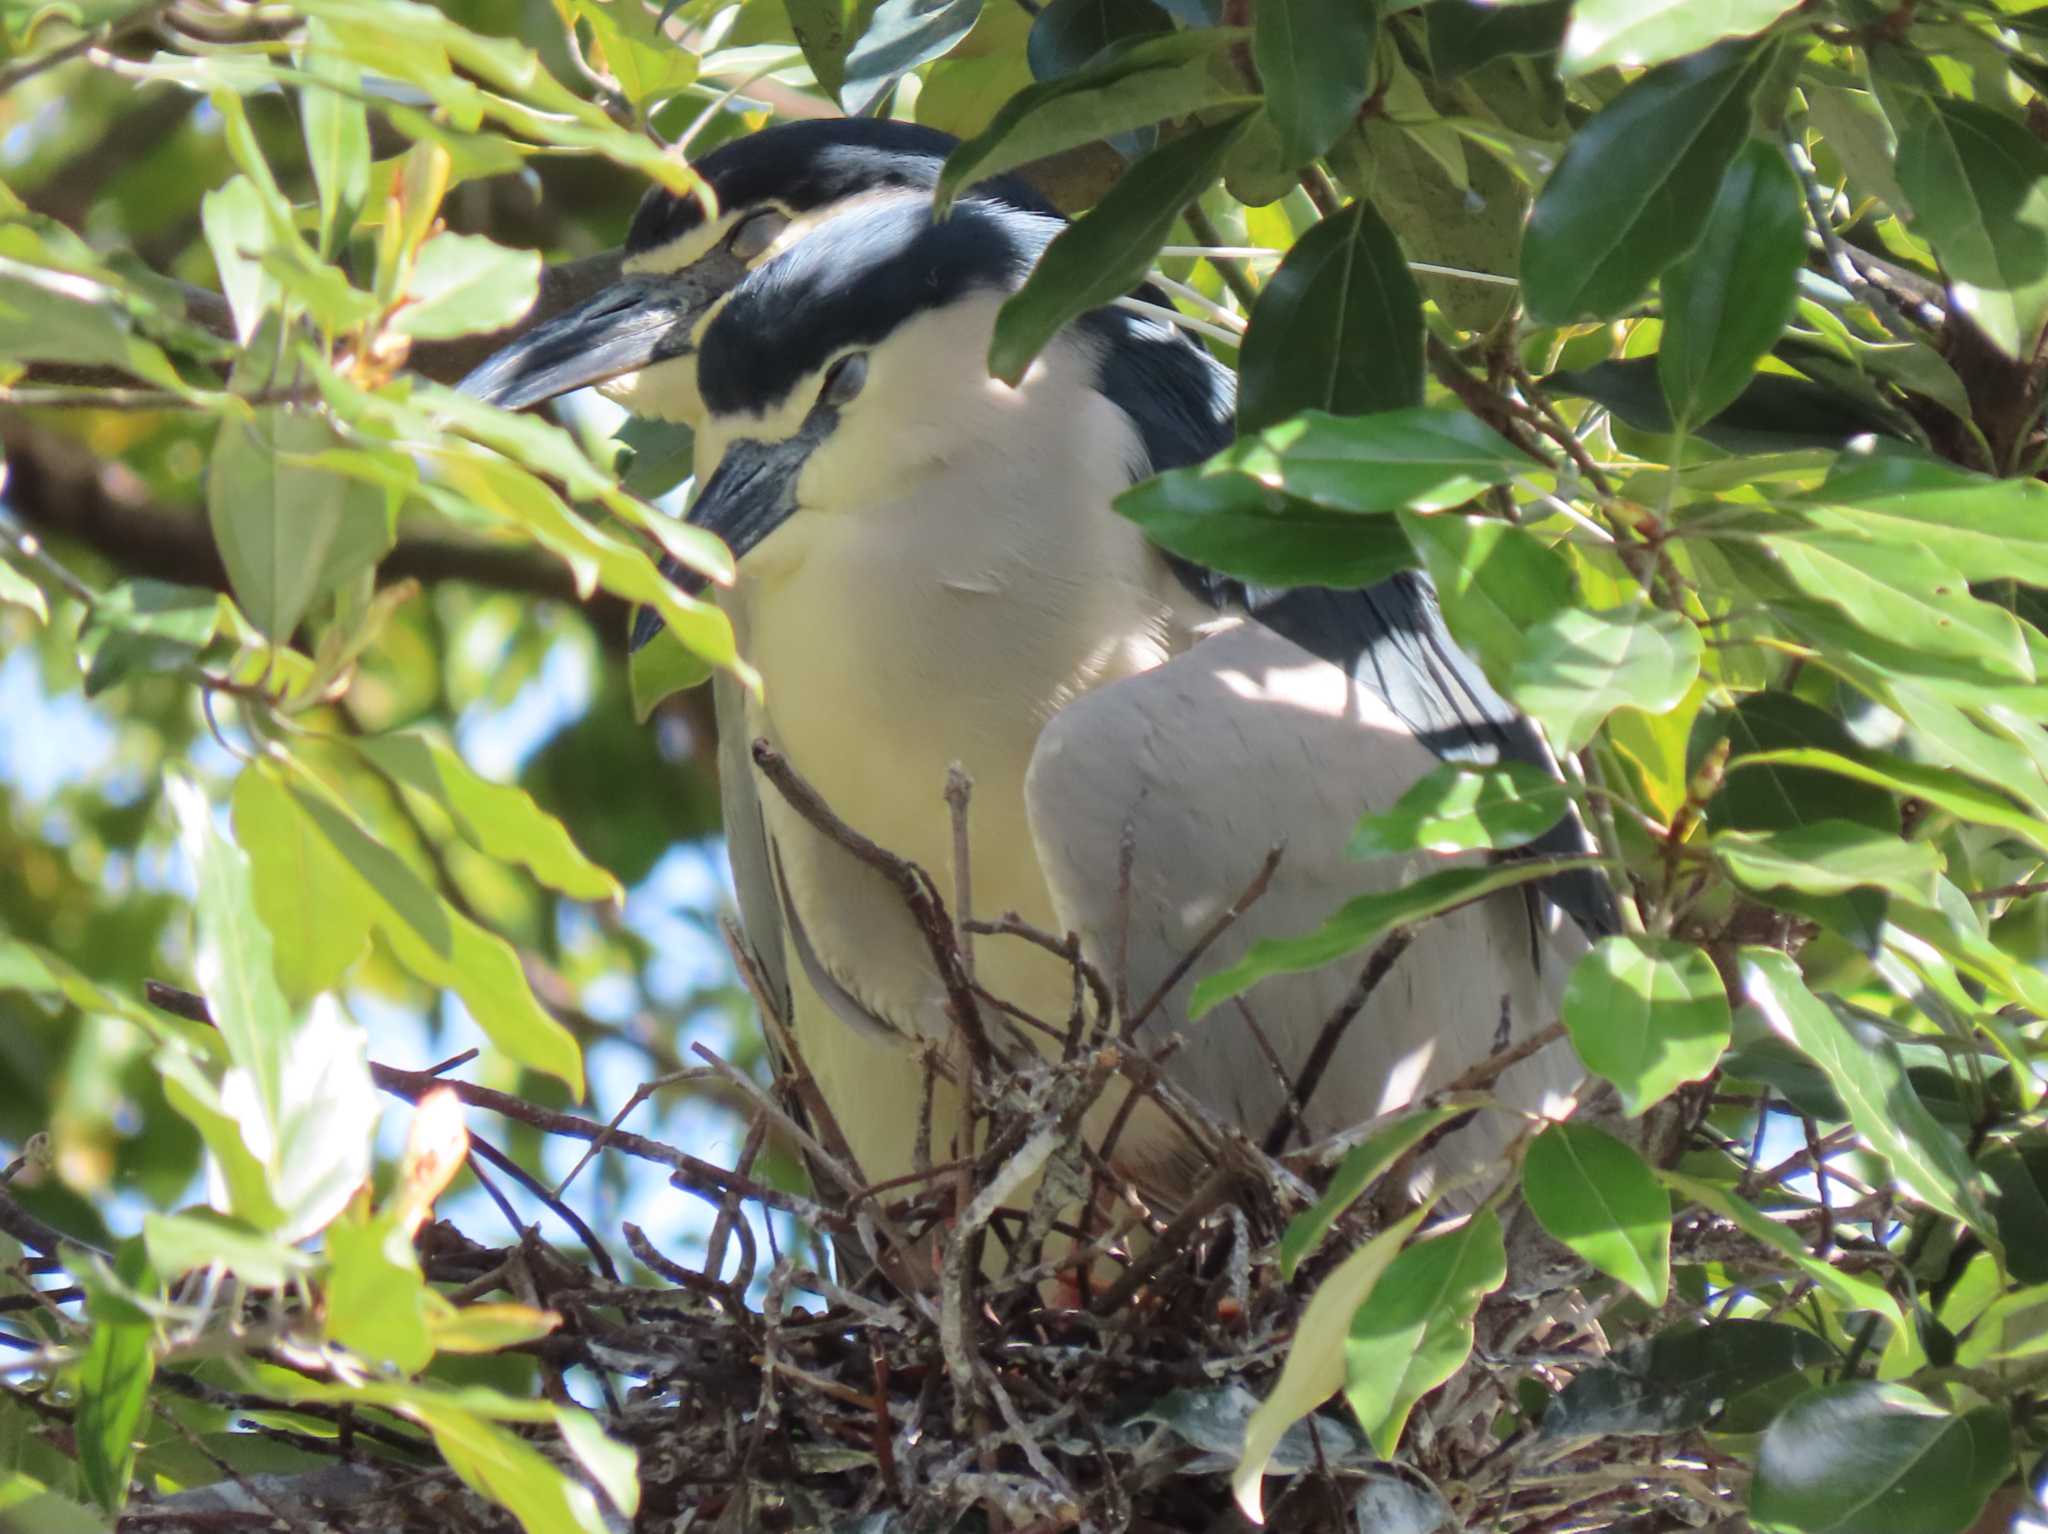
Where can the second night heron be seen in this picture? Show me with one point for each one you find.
(931, 573)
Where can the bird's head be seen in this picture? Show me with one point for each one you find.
(852, 364)
(638, 339)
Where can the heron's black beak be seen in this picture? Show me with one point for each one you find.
(634, 323)
(752, 492)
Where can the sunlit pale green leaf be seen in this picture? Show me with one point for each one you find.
(1354, 1174)
(376, 1298)
(20, 591)
(1460, 809)
(1827, 857)
(1577, 667)
(1414, 1330)
(1595, 1195)
(661, 668)
(498, 818)
(1647, 1014)
(462, 283)
(113, 1383)
(1865, 1068)
(337, 132)
(1495, 581)
(194, 1241)
(1630, 32)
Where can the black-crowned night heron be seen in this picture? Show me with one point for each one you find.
(931, 573)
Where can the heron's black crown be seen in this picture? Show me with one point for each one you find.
(807, 165)
(851, 283)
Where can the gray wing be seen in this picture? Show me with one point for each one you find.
(1242, 742)
(746, 841)
(1391, 637)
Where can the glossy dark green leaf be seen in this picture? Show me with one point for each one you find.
(1128, 85)
(113, 1383)
(1781, 795)
(1459, 809)
(287, 531)
(1235, 524)
(1338, 326)
(1495, 583)
(1634, 189)
(1774, 413)
(1464, 34)
(1728, 299)
(1884, 771)
(2019, 1172)
(1368, 918)
(1978, 181)
(1315, 61)
(1068, 33)
(1647, 1014)
(1865, 1069)
(1680, 1379)
(1354, 1174)
(1108, 250)
(1580, 666)
(1636, 32)
(1866, 1458)
(1595, 1195)
(1414, 1330)
(901, 35)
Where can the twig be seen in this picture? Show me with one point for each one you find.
(1383, 959)
(1224, 921)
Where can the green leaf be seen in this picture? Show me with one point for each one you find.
(52, 316)
(1460, 809)
(901, 35)
(1235, 523)
(1494, 581)
(1943, 790)
(1068, 33)
(494, 817)
(1978, 182)
(113, 1382)
(445, 948)
(2019, 1171)
(1680, 1379)
(1989, 529)
(310, 904)
(1635, 187)
(337, 131)
(1358, 465)
(1314, 1369)
(194, 1241)
(1355, 1173)
(510, 1471)
(1414, 1330)
(1763, 791)
(1635, 32)
(20, 591)
(462, 284)
(1315, 59)
(1908, 595)
(1579, 666)
(1128, 85)
(376, 1299)
(1338, 327)
(661, 668)
(1646, 1014)
(1828, 857)
(1466, 34)
(289, 533)
(1865, 1069)
(823, 29)
(1108, 250)
(1866, 1458)
(1595, 1195)
(1729, 298)
(1851, 1290)
(145, 625)
(234, 950)
(1368, 918)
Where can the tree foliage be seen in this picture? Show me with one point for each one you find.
(1695, 351)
